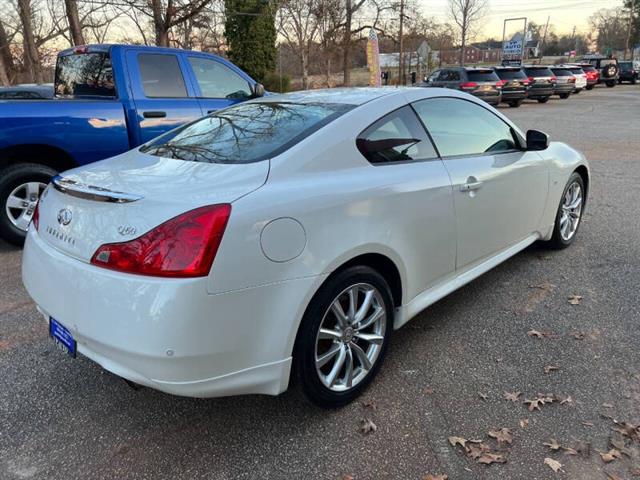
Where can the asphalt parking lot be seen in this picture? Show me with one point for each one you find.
(446, 373)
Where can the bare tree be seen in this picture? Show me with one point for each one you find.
(298, 26)
(328, 18)
(7, 66)
(75, 27)
(32, 59)
(466, 14)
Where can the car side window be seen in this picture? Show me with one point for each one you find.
(434, 76)
(217, 80)
(161, 76)
(460, 127)
(396, 137)
(454, 75)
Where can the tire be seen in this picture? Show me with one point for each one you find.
(543, 100)
(610, 71)
(24, 180)
(309, 349)
(560, 239)
(611, 83)
(590, 87)
(564, 96)
(634, 80)
(515, 103)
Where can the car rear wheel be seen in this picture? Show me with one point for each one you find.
(569, 214)
(543, 100)
(611, 84)
(515, 103)
(589, 87)
(343, 336)
(20, 189)
(564, 96)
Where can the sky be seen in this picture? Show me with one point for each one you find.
(565, 14)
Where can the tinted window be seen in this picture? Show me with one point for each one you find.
(561, 72)
(588, 69)
(217, 80)
(87, 74)
(538, 72)
(245, 133)
(396, 137)
(161, 76)
(625, 65)
(577, 71)
(449, 76)
(19, 95)
(459, 127)
(510, 74)
(482, 76)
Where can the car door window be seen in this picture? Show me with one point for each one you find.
(396, 137)
(460, 127)
(161, 76)
(434, 76)
(218, 81)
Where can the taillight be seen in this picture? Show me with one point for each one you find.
(184, 246)
(572, 80)
(468, 85)
(532, 80)
(35, 218)
(525, 82)
(554, 79)
(501, 83)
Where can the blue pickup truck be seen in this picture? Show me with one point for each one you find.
(108, 99)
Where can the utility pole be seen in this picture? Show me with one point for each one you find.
(627, 46)
(544, 36)
(402, 79)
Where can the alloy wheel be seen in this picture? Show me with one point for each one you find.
(350, 337)
(571, 211)
(21, 203)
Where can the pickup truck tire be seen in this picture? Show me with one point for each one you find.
(20, 188)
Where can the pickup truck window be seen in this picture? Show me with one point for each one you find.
(161, 76)
(218, 81)
(86, 74)
(245, 133)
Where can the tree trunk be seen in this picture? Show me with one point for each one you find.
(160, 24)
(75, 27)
(463, 46)
(31, 56)
(328, 67)
(6, 59)
(4, 77)
(346, 47)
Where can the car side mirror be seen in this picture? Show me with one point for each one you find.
(537, 140)
(257, 90)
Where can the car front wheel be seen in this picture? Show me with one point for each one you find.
(343, 336)
(569, 213)
(543, 100)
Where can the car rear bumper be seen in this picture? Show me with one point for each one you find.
(169, 334)
(514, 95)
(491, 98)
(539, 92)
(564, 88)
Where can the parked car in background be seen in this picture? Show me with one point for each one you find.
(628, 72)
(479, 82)
(108, 99)
(515, 88)
(580, 75)
(210, 263)
(607, 66)
(592, 74)
(543, 82)
(27, 91)
(565, 82)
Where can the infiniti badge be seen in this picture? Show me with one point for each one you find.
(64, 216)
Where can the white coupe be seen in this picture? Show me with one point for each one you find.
(290, 235)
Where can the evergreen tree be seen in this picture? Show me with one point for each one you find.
(250, 31)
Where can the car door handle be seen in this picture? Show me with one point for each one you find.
(468, 187)
(154, 114)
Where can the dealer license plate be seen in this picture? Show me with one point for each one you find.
(62, 337)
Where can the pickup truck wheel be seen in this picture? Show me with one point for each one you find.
(20, 188)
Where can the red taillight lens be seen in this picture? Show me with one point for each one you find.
(554, 79)
(184, 246)
(501, 83)
(532, 80)
(572, 80)
(469, 85)
(35, 218)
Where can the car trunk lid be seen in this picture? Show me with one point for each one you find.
(121, 198)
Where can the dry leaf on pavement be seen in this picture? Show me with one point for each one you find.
(575, 299)
(347, 477)
(537, 334)
(438, 476)
(587, 424)
(367, 426)
(512, 396)
(553, 464)
(610, 456)
(534, 404)
(567, 400)
(524, 423)
(483, 396)
(488, 458)
(552, 444)
(369, 404)
(551, 368)
(458, 441)
(502, 435)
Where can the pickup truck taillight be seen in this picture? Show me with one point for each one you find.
(184, 246)
(468, 85)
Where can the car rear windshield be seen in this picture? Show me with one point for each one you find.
(510, 74)
(588, 68)
(538, 72)
(245, 133)
(577, 71)
(482, 76)
(86, 74)
(562, 72)
(625, 65)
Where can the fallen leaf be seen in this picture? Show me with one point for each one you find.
(552, 444)
(537, 334)
(489, 458)
(613, 476)
(428, 391)
(575, 299)
(347, 477)
(369, 404)
(511, 396)
(567, 400)
(610, 456)
(367, 426)
(438, 476)
(458, 441)
(607, 405)
(482, 396)
(628, 430)
(569, 451)
(534, 404)
(587, 424)
(578, 335)
(524, 423)
(502, 436)
(544, 286)
(551, 368)
(553, 464)
(619, 444)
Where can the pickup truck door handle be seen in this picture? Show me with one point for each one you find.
(467, 187)
(154, 114)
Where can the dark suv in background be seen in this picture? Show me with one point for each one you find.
(516, 85)
(480, 82)
(627, 73)
(543, 82)
(607, 66)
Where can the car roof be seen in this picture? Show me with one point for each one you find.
(537, 66)
(348, 96)
(479, 69)
(512, 68)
